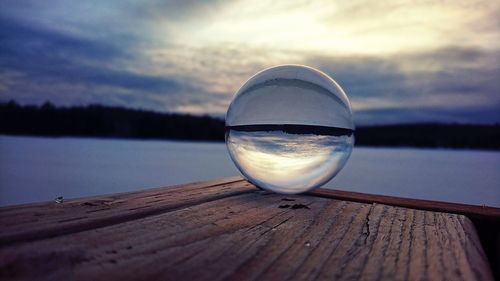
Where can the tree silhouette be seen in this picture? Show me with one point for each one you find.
(118, 122)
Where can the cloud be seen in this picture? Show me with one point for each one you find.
(396, 61)
(54, 61)
(399, 115)
(417, 86)
(346, 27)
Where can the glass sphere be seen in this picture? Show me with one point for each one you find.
(289, 129)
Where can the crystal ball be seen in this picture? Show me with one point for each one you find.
(289, 129)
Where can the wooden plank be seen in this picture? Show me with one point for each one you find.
(257, 235)
(43, 220)
(472, 211)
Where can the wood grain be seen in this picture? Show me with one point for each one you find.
(242, 233)
(473, 211)
(43, 220)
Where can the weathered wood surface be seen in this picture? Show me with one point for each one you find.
(474, 211)
(229, 230)
(43, 220)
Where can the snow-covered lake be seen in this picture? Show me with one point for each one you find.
(36, 169)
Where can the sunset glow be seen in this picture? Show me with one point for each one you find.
(398, 61)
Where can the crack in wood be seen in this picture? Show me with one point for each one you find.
(366, 229)
(229, 232)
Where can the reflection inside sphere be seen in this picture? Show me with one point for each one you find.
(289, 162)
(289, 129)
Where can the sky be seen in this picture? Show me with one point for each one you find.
(397, 61)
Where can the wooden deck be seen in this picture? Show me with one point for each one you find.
(227, 229)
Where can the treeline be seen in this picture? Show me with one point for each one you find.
(117, 122)
(431, 135)
(103, 121)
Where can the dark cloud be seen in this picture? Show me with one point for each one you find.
(459, 70)
(474, 80)
(429, 86)
(363, 76)
(23, 43)
(176, 9)
(46, 57)
(379, 116)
